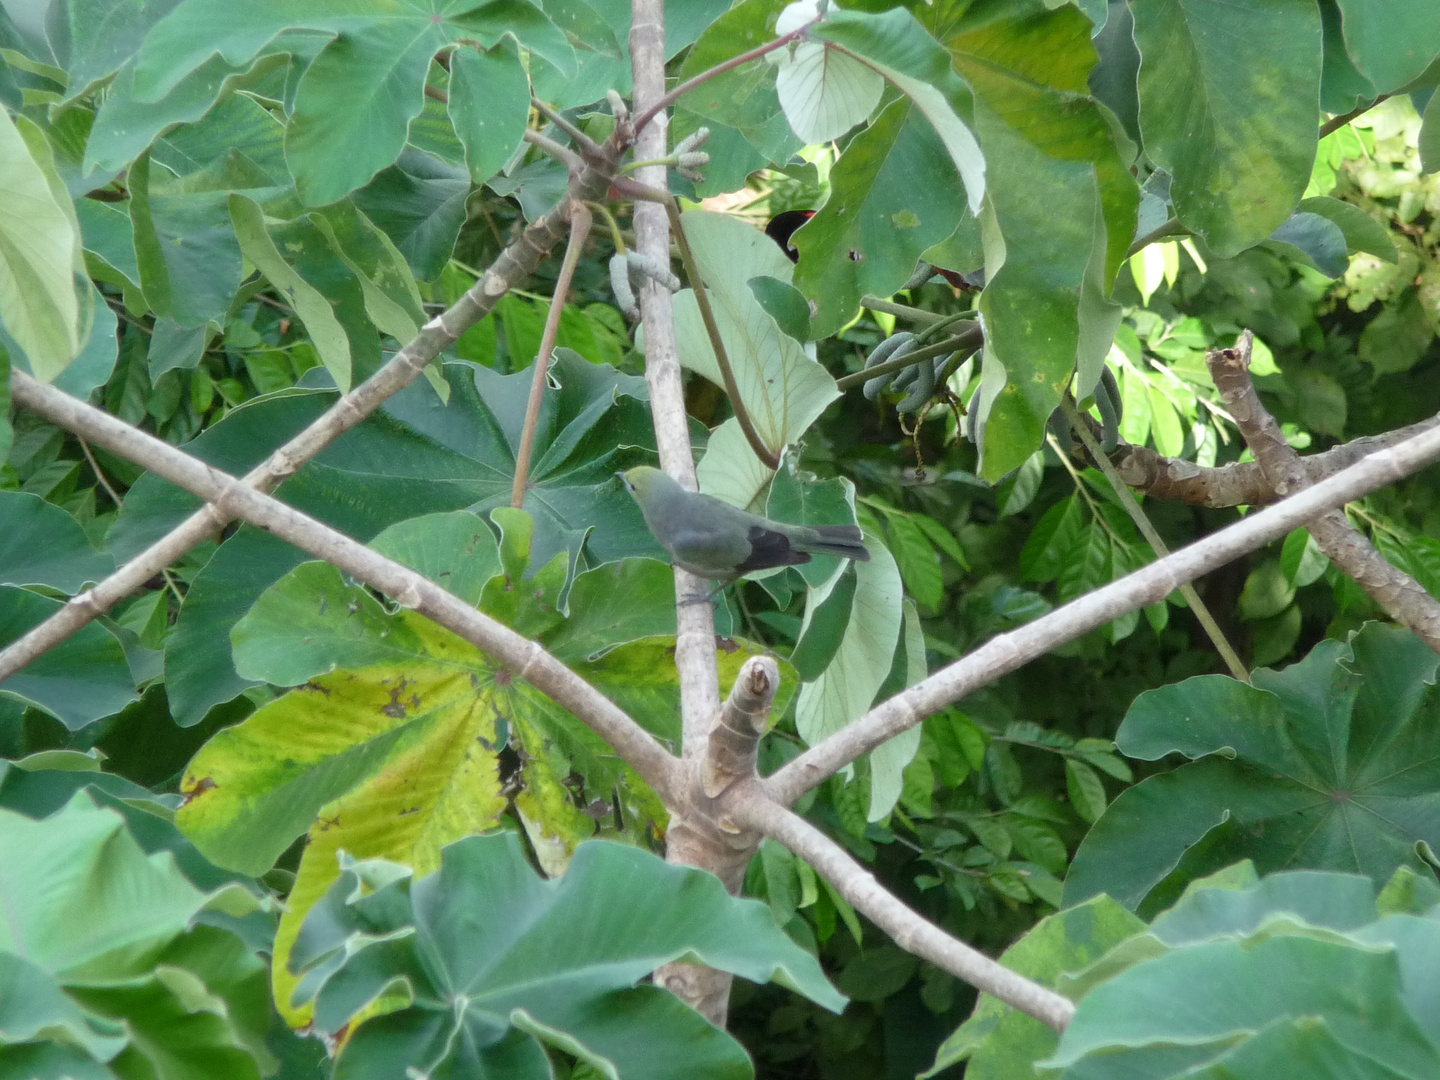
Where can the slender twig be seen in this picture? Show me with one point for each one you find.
(1147, 585)
(174, 588)
(100, 476)
(906, 927)
(563, 154)
(617, 236)
(769, 457)
(1167, 228)
(436, 93)
(651, 111)
(588, 146)
(1335, 123)
(580, 221)
(632, 166)
(526, 658)
(970, 339)
(1399, 595)
(1147, 530)
(276, 304)
(904, 311)
(515, 262)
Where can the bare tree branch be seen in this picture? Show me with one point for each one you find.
(1007, 652)
(699, 836)
(587, 145)
(580, 221)
(513, 265)
(1241, 483)
(692, 839)
(235, 498)
(1402, 597)
(695, 632)
(912, 932)
(563, 154)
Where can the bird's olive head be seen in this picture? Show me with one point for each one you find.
(641, 480)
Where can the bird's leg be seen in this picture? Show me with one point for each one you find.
(704, 598)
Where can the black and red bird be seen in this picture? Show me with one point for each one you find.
(783, 225)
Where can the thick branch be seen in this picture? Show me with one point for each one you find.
(912, 932)
(235, 498)
(1402, 597)
(1242, 483)
(695, 636)
(1007, 652)
(514, 264)
(580, 221)
(745, 716)
(699, 836)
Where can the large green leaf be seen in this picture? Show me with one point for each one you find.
(1390, 41)
(999, 1041)
(311, 307)
(386, 470)
(823, 91)
(1324, 1002)
(99, 957)
(420, 203)
(39, 241)
(40, 544)
(1033, 71)
(846, 689)
(355, 101)
(893, 194)
(190, 262)
(1227, 104)
(784, 390)
(489, 105)
(1045, 301)
(894, 44)
(743, 98)
(597, 68)
(354, 105)
(553, 960)
(102, 35)
(1330, 763)
(79, 681)
(126, 124)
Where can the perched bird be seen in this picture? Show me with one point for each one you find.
(715, 540)
(785, 224)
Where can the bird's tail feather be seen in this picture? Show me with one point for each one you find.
(843, 541)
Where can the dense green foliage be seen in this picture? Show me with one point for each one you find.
(215, 218)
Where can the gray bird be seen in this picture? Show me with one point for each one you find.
(715, 540)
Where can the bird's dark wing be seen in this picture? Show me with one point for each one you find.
(770, 548)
